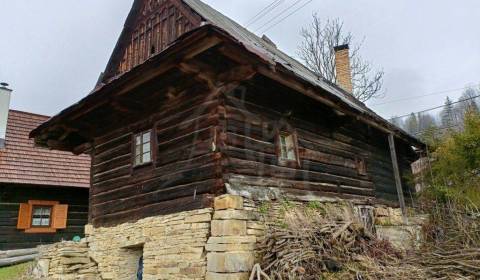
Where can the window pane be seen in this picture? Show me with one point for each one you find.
(146, 148)
(36, 222)
(146, 157)
(138, 140)
(283, 153)
(146, 137)
(46, 211)
(289, 141)
(37, 211)
(138, 150)
(291, 154)
(287, 147)
(138, 159)
(45, 222)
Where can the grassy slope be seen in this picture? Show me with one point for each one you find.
(13, 272)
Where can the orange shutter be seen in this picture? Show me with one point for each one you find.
(60, 212)
(24, 216)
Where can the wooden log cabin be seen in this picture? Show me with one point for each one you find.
(192, 105)
(43, 193)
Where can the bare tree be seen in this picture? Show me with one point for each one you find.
(316, 50)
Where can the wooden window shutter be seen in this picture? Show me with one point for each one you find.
(24, 216)
(60, 212)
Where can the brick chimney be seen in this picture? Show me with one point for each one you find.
(4, 107)
(342, 67)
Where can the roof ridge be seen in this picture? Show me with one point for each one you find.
(28, 113)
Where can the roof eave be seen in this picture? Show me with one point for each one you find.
(202, 32)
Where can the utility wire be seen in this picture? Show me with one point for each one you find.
(299, 8)
(278, 15)
(434, 108)
(269, 8)
(419, 96)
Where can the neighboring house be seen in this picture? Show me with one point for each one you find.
(43, 193)
(192, 105)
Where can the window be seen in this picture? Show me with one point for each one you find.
(143, 148)
(287, 147)
(361, 167)
(41, 216)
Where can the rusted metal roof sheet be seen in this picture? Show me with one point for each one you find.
(266, 50)
(23, 163)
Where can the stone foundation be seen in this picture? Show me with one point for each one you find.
(172, 246)
(65, 261)
(213, 243)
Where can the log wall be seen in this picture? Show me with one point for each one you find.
(329, 147)
(184, 173)
(206, 138)
(12, 195)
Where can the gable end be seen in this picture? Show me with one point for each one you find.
(150, 27)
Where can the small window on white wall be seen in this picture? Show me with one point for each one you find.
(288, 149)
(143, 148)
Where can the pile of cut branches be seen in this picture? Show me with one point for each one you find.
(308, 245)
(451, 247)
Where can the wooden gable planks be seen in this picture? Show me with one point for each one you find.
(155, 25)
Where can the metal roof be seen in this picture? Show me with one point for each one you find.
(263, 48)
(266, 50)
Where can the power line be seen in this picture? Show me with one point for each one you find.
(269, 8)
(434, 108)
(419, 96)
(299, 8)
(279, 14)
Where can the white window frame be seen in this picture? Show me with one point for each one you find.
(42, 216)
(142, 148)
(287, 146)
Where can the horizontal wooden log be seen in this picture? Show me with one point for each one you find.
(181, 153)
(245, 167)
(118, 151)
(139, 197)
(245, 142)
(17, 253)
(162, 208)
(17, 260)
(113, 143)
(192, 169)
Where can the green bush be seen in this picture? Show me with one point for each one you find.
(456, 166)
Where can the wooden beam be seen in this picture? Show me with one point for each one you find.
(203, 72)
(396, 171)
(126, 105)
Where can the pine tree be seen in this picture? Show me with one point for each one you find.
(448, 114)
(411, 124)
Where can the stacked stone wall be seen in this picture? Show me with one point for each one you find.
(219, 243)
(65, 261)
(172, 246)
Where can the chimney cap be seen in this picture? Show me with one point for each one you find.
(341, 47)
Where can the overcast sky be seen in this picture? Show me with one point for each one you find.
(52, 51)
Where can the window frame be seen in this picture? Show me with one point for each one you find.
(50, 216)
(42, 229)
(134, 149)
(294, 163)
(362, 168)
